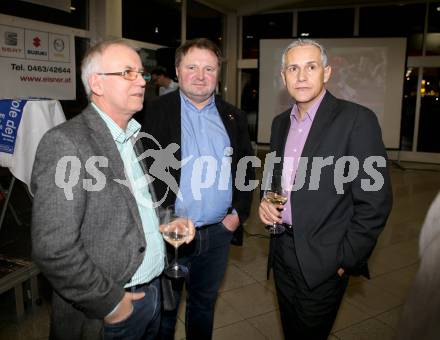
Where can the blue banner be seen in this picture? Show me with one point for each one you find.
(11, 111)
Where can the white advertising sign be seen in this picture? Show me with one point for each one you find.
(36, 64)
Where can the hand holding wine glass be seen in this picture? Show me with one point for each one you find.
(176, 229)
(276, 195)
(191, 231)
(175, 232)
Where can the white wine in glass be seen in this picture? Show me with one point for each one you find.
(276, 194)
(175, 232)
(275, 198)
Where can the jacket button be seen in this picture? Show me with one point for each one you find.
(141, 249)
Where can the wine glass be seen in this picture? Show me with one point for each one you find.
(276, 194)
(175, 231)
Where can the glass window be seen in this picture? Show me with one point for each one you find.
(249, 99)
(153, 21)
(433, 44)
(78, 16)
(409, 108)
(433, 37)
(434, 17)
(267, 26)
(332, 23)
(149, 61)
(204, 22)
(428, 140)
(408, 21)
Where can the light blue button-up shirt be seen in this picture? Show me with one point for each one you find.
(153, 263)
(206, 190)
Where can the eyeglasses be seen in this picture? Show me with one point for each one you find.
(128, 74)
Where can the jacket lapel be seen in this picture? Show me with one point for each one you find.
(324, 116)
(138, 149)
(173, 114)
(284, 133)
(108, 149)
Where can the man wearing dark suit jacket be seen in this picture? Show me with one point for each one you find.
(205, 128)
(340, 198)
(95, 232)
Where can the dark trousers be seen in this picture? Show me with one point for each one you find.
(144, 322)
(306, 314)
(206, 257)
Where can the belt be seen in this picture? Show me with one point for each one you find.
(289, 228)
(139, 286)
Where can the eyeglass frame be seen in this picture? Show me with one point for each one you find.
(123, 74)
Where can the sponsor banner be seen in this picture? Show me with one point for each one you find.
(10, 117)
(36, 63)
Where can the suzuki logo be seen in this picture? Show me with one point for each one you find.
(36, 42)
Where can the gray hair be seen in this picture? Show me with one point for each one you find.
(92, 60)
(305, 42)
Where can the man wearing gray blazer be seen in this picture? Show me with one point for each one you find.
(95, 231)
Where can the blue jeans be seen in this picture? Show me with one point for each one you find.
(144, 322)
(206, 257)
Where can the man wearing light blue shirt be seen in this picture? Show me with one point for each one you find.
(203, 135)
(213, 137)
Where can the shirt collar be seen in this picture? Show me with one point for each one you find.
(311, 112)
(119, 135)
(187, 102)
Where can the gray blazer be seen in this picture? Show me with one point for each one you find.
(87, 243)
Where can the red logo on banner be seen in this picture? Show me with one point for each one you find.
(36, 42)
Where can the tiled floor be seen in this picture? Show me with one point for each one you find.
(247, 307)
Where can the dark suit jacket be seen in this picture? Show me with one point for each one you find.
(336, 230)
(162, 119)
(88, 246)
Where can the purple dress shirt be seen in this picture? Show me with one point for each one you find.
(298, 132)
